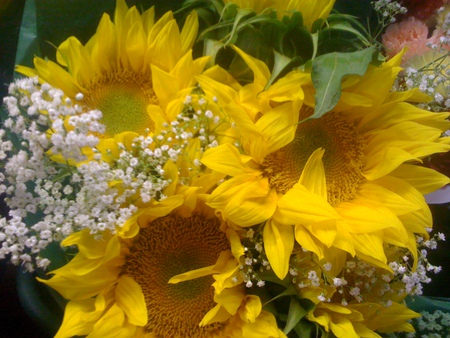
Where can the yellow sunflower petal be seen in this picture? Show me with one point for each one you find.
(251, 309)
(189, 32)
(384, 161)
(217, 314)
(313, 174)
(370, 248)
(278, 244)
(135, 40)
(265, 326)
(373, 193)
(248, 211)
(387, 319)
(325, 231)
(227, 160)
(425, 180)
(52, 73)
(113, 323)
(300, 206)
(260, 70)
(104, 52)
(130, 298)
(360, 218)
(308, 241)
(280, 131)
(76, 286)
(73, 323)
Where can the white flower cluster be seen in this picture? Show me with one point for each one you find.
(413, 280)
(57, 181)
(254, 262)
(37, 116)
(431, 72)
(387, 10)
(363, 282)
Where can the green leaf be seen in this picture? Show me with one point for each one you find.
(241, 14)
(296, 313)
(290, 291)
(346, 27)
(282, 65)
(328, 70)
(28, 38)
(211, 48)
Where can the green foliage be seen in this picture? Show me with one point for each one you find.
(328, 70)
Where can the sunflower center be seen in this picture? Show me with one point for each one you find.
(169, 246)
(122, 97)
(343, 159)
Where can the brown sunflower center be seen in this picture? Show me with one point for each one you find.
(169, 246)
(343, 159)
(122, 97)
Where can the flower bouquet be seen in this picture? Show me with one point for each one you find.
(225, 169)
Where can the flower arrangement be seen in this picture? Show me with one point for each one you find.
(231, 169)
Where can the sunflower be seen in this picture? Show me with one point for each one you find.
(347, 180)
(311, 10)
(173, 279)
(131, 70)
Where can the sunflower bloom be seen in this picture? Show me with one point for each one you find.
(122, 285)
(311, 10)
(131, 70)
(345, 181)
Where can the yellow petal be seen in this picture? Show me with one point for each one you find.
(159, 209)
(312, 9)
(161, 82)
(325, 231)
(278, 244)
(216, 314)
(246, 210)
(300, 206)
(288, 88)
(236, 246)
(135, 40)
(370, 248)
(189, 32)
(360, 218)
(231, 299)
(251, 309)
(425, 180)
(113, 324)
(77, 287)
(309, 242)
(385, 161)
(265, 326)
(52, 73)
(27, 71)
(386, 319)
(202, 272)
(260, 70)
(130, 298)
(73, 322)
(226, 159)
(84, 240)
(278, 131)
(166, 47)
(313, 175)
(79, 62)
(148, 19)
(373, 193)
(105, 54)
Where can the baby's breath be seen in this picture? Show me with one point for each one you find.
(58, 179)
